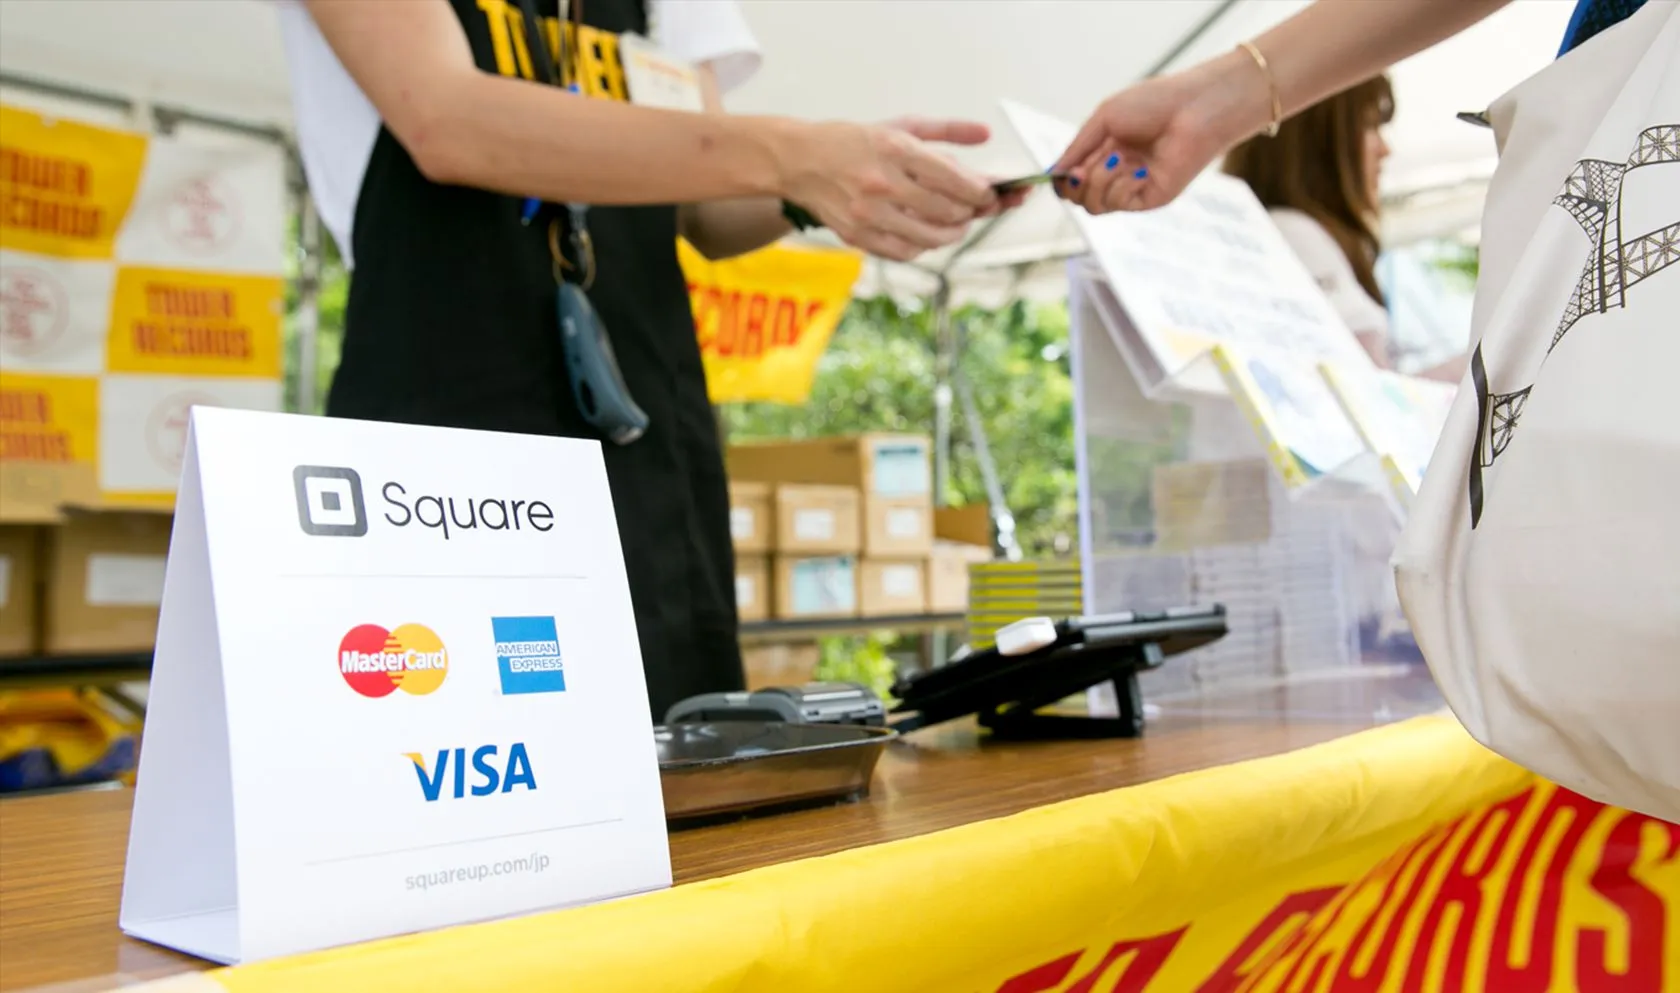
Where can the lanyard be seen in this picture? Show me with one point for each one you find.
(536, 43)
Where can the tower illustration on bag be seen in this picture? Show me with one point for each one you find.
(1593, 196)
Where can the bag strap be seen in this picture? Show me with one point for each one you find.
(536, 42)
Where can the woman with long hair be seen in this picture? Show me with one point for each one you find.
(1318, 179)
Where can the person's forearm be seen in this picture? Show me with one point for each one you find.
(1332, 45)
(721, 229)
(521, 138)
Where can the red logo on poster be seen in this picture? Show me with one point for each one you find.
(34, 309)
(166, 428)
(202, 216)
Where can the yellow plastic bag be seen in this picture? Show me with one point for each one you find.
(62, 737)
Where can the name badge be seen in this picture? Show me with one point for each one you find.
(655, 79)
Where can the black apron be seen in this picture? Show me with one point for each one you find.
(451, 321)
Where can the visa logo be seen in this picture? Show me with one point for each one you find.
(490, 775)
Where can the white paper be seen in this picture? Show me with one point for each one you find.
(1209, 268)
(901, 469)
(118, 580)
(824, 586)
(901, 580)
(742, 523)
(1398, 416)
(1309, 419)
(813, 525)
(143, 423)
(904, 522)
(54, 313)
(208, 204)
(337, 554)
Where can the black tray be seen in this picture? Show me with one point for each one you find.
(735, 767)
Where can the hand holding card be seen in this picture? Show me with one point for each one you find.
(1007, 186)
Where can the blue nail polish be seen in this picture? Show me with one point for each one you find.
(1113, 160)
(1142, 173)
(1073, 180)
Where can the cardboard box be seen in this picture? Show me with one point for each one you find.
(19, 596)
(809, 588)
(751, 518)
(103, 582)
(37, 492)
(782, 664)
(968, 525)
(897, 527)
(893, 587)
(752, 587)
(948, 575)
(817, 520)
(882, 465)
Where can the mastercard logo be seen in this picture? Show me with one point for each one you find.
(375, 662)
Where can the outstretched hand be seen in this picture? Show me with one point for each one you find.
(887, 189)
(1144, 145)
(958, 133)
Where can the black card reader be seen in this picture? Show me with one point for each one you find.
(813, 703)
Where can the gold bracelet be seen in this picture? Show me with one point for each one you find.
(1271, 84)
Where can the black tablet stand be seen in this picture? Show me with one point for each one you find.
(1020, 720)
(1005, 692)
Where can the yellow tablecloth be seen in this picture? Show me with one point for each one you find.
(1404, 858)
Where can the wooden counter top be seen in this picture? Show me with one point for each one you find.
(61, 857)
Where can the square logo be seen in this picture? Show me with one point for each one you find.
(329, 501)
(528, 655)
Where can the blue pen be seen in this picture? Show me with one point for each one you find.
(532, 204)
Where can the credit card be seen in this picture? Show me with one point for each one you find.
(1036, 179)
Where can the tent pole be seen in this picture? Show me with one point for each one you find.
(1002, 519)
(1203, 27)
(166, 116)
(309, 301)
(944, 361)
(944, 364)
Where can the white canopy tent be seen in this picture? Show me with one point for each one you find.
(220, 62)
(860, 60)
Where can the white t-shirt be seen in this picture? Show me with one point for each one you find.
(1328, 265)
(337, 125)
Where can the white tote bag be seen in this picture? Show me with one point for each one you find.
(1541, 565)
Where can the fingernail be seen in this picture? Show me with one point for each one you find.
(1073, 180)
(1113, 160)
(1142, 173)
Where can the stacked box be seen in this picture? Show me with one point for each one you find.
(19, 591)
(751, 526)
(890, 559)
(962, 537)
(816, 552)
(103, 582)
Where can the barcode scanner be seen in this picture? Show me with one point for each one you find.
(597, 384)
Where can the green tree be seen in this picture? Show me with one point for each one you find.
(334, 293)
(878, 375)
